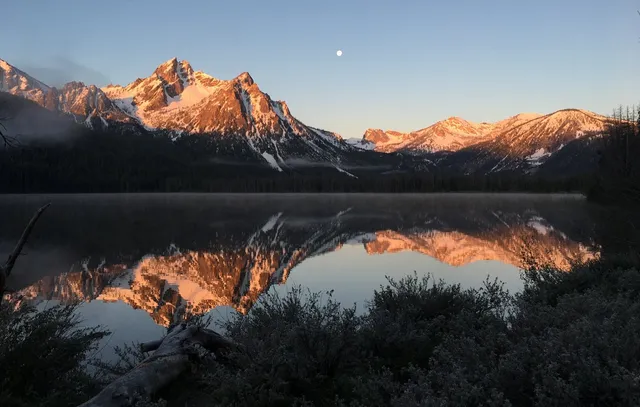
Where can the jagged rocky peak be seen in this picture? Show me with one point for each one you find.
(19, 83)
(456, 127)
(13, 79)
(77, 98)
(176, 98)
(176, 75)
(382, 136)
(74, 98)
(283, 106)
(245, 79)
(173, 84)
(456, 133)
(167, 69)
(74, 85)
(375, 135)
(455, 120)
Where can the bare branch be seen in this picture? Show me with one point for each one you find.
(150, 346)
(7, 140)
(8, 266)
(5, 270)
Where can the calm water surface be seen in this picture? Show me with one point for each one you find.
(142, 261)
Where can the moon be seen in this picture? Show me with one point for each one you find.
(339, 53)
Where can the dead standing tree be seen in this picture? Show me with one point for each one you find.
(5, 139)
(5, 270)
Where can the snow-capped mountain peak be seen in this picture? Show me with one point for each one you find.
(17, 82)
(12, 78)
(450, 134)
(245, 124)
(245, 79)
(86, 104)
(175, 97)
(525, 142)
(455, 133)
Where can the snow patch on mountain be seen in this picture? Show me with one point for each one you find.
(537, 157)
(246, 102)
(272, 161)
(361, 239)
(361, 144)
(13, 79)
(538, 224)
(271, 222)
(345, 172)
(332, 138)
(191, 95)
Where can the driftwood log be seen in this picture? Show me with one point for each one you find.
(5, 270)
(172, 356)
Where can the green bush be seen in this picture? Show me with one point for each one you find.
(299, 347)
(42, 357)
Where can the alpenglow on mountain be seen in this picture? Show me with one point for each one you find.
(455, 133)
(249, 127)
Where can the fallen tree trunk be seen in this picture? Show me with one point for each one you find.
(173, 356)
(5, 270)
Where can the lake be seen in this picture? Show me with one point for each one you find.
(142, 261)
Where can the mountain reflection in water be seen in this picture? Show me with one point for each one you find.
(179, 255)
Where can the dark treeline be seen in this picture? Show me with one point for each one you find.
(618, 183)
(618, 178)
(119, 163)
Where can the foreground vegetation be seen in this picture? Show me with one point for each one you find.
(42, 357)
(567, 338)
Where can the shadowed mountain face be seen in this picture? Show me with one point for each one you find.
(173, 256)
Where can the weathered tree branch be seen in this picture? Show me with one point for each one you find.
(7, 140)
(173, 355)
(150, 346)
(11, 261)
(5, 270)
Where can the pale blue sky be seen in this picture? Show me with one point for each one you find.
(406, 64)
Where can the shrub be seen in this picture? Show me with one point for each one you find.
(299, 347)
(42, 355)
(566, 339)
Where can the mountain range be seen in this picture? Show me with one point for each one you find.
(248, 126)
